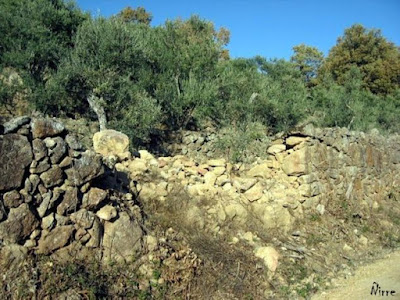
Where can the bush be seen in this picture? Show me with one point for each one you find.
(243, 143)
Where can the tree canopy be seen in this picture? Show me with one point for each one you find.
(376, 57)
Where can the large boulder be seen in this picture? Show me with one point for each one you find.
(15, 156)
(122, 239)
(110, 142)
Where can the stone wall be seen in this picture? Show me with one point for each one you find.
(58, 199)
(302, 173)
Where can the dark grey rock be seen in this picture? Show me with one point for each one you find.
(52, 177)
(73, 142)
(58, 151)
(19, 224)
(15, 156)
(69, 203)
(39, 149)
(14, 124)
(86, 168)
(42, 128)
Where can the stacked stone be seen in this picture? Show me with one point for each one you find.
(48, 198)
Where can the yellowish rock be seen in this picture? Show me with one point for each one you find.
(110, 142)
(270, 257)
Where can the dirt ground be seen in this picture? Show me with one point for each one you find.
(384, 272)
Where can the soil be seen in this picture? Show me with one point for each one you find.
(382, 276)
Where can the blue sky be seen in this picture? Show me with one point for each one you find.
(271, 27)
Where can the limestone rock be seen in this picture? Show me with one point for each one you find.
(217, 162)
(295, 164)
(42, 128)
(151, 243)
(254, 193)
(88, 167)
(261, 170)
(55, 239)
(15, 156)
(294, 140)
(244, 184)
(137, 166)
(274, 149)
(146, 155)
(110, 142)
(14, 124)
(270, 257)
(19, 224)
(54, 176)
(122, 238)
(94, 198)
(107, 213)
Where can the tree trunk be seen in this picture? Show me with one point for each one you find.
(95, 104)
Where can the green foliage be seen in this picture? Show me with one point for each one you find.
(378, 59)
(283, 101)
(350, 105)
(35, 35)
(243, 143)
(308, 60)
(138, 15)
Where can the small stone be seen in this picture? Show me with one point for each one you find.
(73, 142)
(12, 199)
(294, 140)
(50, 143)
(95, 234)
(66, 162)
(39, 149)
(70, 201)
(40, 167)
(146, 155)
(320, 209)
(152, 243)
(48, 222)
(83, 218)
(217, 162)
(107, 213)
(15, 156)
(270, 257)
(94, 198)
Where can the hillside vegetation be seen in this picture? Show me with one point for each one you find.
(54, 58)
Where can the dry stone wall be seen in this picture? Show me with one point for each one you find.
(303, 173)
(58, 199)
